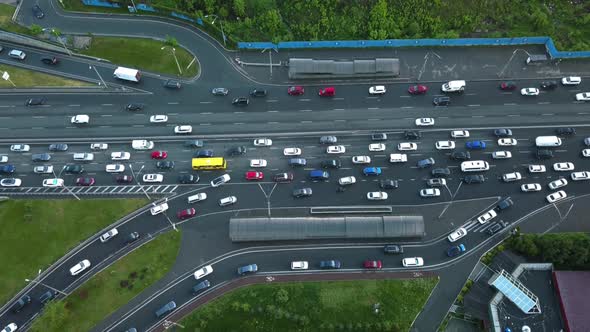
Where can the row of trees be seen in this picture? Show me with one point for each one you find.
(564, 250)
(263, 20)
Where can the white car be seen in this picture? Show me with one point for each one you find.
(292, 151)
(528, 187)
(335, 149)
(10, 182)
(398, 158)
(501, 154)
(184, 129)
(529, 92)
(17, 54)
(149, 178)
(556, 196)
(377, 90)
(109, 235)
(99, 146)
(205, 270)
(3, 158)
(491, 214)
(456, 235)
(577, 176)
(407, 146)
(361, 160)
(537, 169)
(115, 168)
(460, 134)
(159, 118)
(430, 192)
(53, 183)
(229, 200)
(43, 169)
(412, 261)
(571, 80)
(157, 209)
(377, 147)
(511, 177)
(120, 155)
(563, 167)
(262, 142)
(584, 96)
(376, 195)
(80, 267)
(299, 265)
(424, 122)
(197, 197)
(557, 184)
(80, 119)
(507, 142)
(257, 163)
(445, 145)
(10, 327)
(347, 180)
(20, 148)
(586, 153)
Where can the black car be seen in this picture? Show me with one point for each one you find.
(293, 162)
(21, 303)
(283, 177)
(378, 137)
(504, 204)
(495, 228)
(194, 143)
(49, 60)
(440, 172)
(35, 101)
(241, 101)
(548, 85)
(393, 249)
(132, 237)
(502, 132)
(73, 168)
(544, 154)
(134, 107)
(188, 178)
(165, 164)
(166, 309)
(470, 179)
(328, 140)
(388, 184)
(565, 131)
(201, 286)
(124, 179)
(425, 162)
(332, 163)
(40, 157)
(204, 154)
(461, 155)
(47, 296)
(37, 12)
(258, 93)
(302, 192)
(237, 151)
(441, 101)
(172, 84)
(58, 147)
(412, 134)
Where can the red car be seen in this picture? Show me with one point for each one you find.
(159, 155)
(372, 264)
(296, 90)
(251, 175)
(417, 89)
(327, 92)
(507, 86)
(124, 179)
(187, 213)
(84, 182)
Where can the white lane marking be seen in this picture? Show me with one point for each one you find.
(74, 105)
(107, 104)
(272, 111)
(271, 101)
(548, 114)
(339, 109)
(204, 124)
(543, 103)
(474, 105)
(106, 115)
(373, 108)
(172, 103)
(205, 102)
(407, 107)
(205, 113)
(509, 104)
(305, 110)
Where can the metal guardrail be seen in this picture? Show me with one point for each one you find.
(350, 209)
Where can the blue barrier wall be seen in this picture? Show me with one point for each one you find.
(100, 3)
(547, 41)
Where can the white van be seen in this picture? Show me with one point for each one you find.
(83, 156)
(475, 166)
(453, 86)
(142, 144)
(547, 141)
(398, 158)
(127, 74)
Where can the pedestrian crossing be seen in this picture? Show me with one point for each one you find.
(93, 190)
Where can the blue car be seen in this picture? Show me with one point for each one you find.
(475, 145)
(252, 268)
(372, 170)
(330, 264)
(7, 169)
(455, 250)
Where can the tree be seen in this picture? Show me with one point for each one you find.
(171, 41)
(282, 296)
(239, 8)
(378, 21)
(35, 29)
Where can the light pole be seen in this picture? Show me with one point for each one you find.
(220, 24)
(501, 73)
(174, 55)
(58, 38)
(42, 284)
(137, 180)
(100, 77)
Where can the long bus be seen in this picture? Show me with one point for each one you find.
(209, 163)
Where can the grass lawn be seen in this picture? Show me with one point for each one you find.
(24, 78)
(6, 12)
(113, 287)
(143, 54)
(315, 306)
(35, 233)
(78, 6)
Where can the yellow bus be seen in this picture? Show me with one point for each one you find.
(209, 163)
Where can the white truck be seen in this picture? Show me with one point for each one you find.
(453, 86)
(127, 74)
(398, 158)
(142, 144)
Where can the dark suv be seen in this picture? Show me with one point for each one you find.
(412, 134)
(441, 101)
(237, 151)
(47, 296)
(379, 137)
(135, 107)
(388, 184)
(328, 139)
(440, 172)
(49, 60)
(565, 131)
(461, 155)
(21, 303)
(73, 168)
(495, 228)
(258, 93)
(241, 101)
(502, 132)
(504, 204)
(297, 162)
(197, 143)
(333, 163)
(474, 179)
(544, 154)
(35, 102)
(172, 84)
(188, 178)
(302, 192)
(393, 249)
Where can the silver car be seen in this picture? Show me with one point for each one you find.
(220, 91)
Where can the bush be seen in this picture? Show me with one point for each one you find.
(564, 250)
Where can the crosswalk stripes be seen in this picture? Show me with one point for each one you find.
(91, 191)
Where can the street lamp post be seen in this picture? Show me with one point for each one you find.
(42, 284)
(174, 55)
(58, 38)
(220, 24)
(97, 73)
